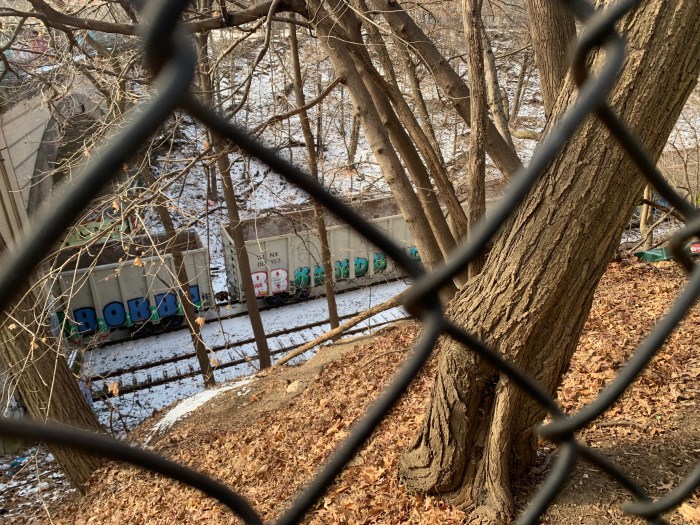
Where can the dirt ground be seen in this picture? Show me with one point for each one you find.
(268, 443)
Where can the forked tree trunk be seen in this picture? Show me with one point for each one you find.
(449, 81)
(531, 300)
(378, 138)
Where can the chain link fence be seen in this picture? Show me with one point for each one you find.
(171, 57)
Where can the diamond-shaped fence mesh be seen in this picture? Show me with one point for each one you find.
(172, 59)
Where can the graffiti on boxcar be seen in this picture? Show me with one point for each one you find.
(279, 280)
(319, 274)
(137, 310)
(361, 266)
(413, 253)
(302, 277)
(378, 262)
(260, 282)
(342, 269)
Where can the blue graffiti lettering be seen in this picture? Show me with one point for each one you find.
(194, 295)
(114, 314)
(139, 309)
(86, 319)
(167, 304)
(361, 266)
(413, 253)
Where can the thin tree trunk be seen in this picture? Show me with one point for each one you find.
(523, 77)
(48, 388)
(319, 213)
(418, 99)
(379, 141)
(476, 167)
(532, 299)
(552, 31)
(498, 113)
(206, 85)
(183, 287)
(645, 221)
(457, 92)
(224, 167)
(354, 140)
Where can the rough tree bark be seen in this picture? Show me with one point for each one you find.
(476, 167)
(48, 388)
(531, 300)
(552, 31)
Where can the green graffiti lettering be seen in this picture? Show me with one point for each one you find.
(379, 262)
(302, 279)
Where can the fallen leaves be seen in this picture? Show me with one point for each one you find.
(270, 456)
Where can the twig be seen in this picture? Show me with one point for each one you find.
(385, 354)
(394, 301)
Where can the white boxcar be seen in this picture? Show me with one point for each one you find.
(285, 256)
(128, 284)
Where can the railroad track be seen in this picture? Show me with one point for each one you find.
(112, 383)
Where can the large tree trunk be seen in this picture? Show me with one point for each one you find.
(48, 388)
(534, 295)
(552, 31)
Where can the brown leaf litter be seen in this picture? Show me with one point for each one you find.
(269, 443)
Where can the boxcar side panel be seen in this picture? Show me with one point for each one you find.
(120, 295)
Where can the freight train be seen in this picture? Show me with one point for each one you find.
(285, 256)
(124, 287)
(121, 287)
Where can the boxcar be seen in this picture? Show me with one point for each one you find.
(128, 284)
(285, 256)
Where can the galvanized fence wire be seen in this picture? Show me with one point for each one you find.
(172, 60)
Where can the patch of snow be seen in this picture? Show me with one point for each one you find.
(191, 404)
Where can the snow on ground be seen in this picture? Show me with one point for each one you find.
(190, 404)
(122, 413)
